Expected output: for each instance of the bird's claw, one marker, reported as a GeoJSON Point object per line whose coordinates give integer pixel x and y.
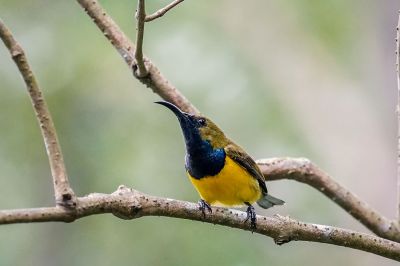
{"type": "Point", "coordinates": [251, 215]}
{"type": "Point", "coordinates": [203, 205]}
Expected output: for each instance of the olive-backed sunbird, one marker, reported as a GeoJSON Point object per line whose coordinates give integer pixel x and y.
{"type": "Point", "coordinates": [221, 171]}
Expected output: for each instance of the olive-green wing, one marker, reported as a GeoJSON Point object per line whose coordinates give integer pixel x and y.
{"type": "Point", "coordinates": [237, 154]}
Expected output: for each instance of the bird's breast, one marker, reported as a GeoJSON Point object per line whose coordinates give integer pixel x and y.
{"type": "Point", "coordinates": [231, 186]}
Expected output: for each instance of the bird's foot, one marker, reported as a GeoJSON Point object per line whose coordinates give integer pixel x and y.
{"type": "Point", "coordinates": [203, 205]}
{"type": "Point", "coordinates": [252, 216]}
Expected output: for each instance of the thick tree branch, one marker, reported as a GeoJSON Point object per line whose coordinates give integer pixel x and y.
{"type": "Point", "coordinates": [304, 171]}
{"type": "Point", "coordinates": [161, 12]}
{"type": "Point", "coordinates": [398, 117]}
{"type": "Point", "coordinates": [127, 203]}
{"type": "Point", "coordinates": [63, 193]}
{"type": "Point", "coordinates": [141, 70]}
{"type": "Point", "coordinates": [154, 80]}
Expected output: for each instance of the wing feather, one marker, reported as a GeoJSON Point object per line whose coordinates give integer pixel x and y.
{"type": "Point", "coordinates": [237, 154]}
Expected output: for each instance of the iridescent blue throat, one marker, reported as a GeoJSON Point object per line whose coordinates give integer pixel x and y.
{"type": "Point", "coordinates": [201, 158]}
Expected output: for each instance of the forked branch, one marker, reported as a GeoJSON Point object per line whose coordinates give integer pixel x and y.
{"type": "Point", "coordinates": [161, 12]}
{"type": "Point", "coordinates": [154, 80]}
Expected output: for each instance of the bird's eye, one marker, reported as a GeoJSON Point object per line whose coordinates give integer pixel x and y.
{"type": "Point", "coordinates": [202, 121]}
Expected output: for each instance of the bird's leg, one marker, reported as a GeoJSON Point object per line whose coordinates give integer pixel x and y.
{"type": "Point", "coordinates": [251, 214]}
{"type": "Point", "coordinates": [203, 205]}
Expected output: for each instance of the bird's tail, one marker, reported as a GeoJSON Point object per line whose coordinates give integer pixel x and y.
{"type": "Point", "coordinates": [267, 201]}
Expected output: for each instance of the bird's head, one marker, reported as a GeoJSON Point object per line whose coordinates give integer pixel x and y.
{"type": "Point", "coordinates": [197, 126]}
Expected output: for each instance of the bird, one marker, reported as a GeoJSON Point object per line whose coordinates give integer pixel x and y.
{"type": "Point", "coordinates": [220, 170]}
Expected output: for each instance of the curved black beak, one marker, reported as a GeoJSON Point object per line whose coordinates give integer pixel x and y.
{"type": "Point", "coordinates": [181, 115]}
{"type": "Point", "coordinates": [188, 127]}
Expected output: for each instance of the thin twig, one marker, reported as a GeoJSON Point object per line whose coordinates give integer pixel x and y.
{"type": "Point", "coordinates": [398, 116]}
{"type": "Point", "coordinates": [302, 170]}
{"type": "Point", "coordinates": [127, 203]}
{"type": "Point", "coordinates": [63, 193]}
{"type": "Point", "coordinates": [155, 80]}
{"type": "Point", "coordinates": [161, 12]}
{"type": "Point", "coordinates": [141, 71]}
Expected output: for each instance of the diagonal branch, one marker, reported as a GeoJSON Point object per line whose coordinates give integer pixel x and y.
{"type": "Point", "coordinates": [161, 12]}
{"type": "Point", "coordinates": [398, 117]}
{"type": "Point", "coordinates": [154, 80]}
{"type": "Point", "coordinates": [127, 203]}
{"type": "Point", "coordinates": [302, 170]}
{"type": "Point", "coordinates": [141, 70]}
{"type": "Point", "coordinates": [63, 193]}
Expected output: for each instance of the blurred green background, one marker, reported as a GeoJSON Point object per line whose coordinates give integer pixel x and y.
{"type": "Point", "coordinates": [282, 78]}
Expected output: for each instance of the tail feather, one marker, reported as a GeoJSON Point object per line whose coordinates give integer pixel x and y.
{"type": "Point", "coordinates": [267, 201]}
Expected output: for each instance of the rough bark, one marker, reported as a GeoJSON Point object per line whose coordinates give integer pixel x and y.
{"type": "Point", "coordinates": [128, 203]}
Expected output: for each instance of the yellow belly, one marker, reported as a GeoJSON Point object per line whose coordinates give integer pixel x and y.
{"type": "Point", "coordinates": [232, 186]}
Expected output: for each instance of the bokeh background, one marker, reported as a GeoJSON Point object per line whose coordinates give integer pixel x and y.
{"type": "Point", "coordinates": [283, 78]}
